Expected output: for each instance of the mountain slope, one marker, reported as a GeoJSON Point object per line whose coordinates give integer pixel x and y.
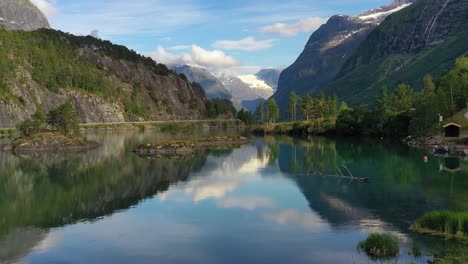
{"type": "Point", "coordinates": [106, 83]}
{"type": "Point", "coordinates": [328, 49]}
{"type": "Point", "coordinates": [270, 76]}
{"type": "Point", "coordinates": [243, 93]}
{"type": "Point", "coordinates": [21, 15]}
{"type": "Point", "coordinates": [212, 86]}
{"type": "Point", "coordinates": [424, 38]}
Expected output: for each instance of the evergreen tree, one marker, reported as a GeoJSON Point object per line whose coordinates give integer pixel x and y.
{"type": "Point", "coordinates": [64, 119]}
{"type": "Point", "coordinates": [307, 106]}
{"type": "Point", "coordinates": [402, 99]}
{"type": "Point", "coordinates": [273, 111]}
{"type": "Point", "coordinates": [32, 125]}
{"type": "Point", "coordinates": [246, 116]}
{"type": "Point", "coordinates": [428, 100]}
{"type": "Point", "coordinates": [260, 113]}
{"type": "Point", "coordinates": [293, 105]}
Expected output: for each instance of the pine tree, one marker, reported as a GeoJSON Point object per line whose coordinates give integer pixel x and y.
{"type": "Point", "coordinates": [260, 113]}
{"type": "Point", "coordinates": [293, 105]}
{"type": "Point", "coordinates": [273, 111]}
{"type": "Point", "coordinates": [307, 106]}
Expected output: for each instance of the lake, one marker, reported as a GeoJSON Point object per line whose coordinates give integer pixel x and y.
{"type": "Point", "coordinates": [254, 204]}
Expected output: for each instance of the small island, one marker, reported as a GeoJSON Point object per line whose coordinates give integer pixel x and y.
{"type": "Point", "coordinates": [56, 131]}
{"type": "Point", "coordinates": [188, 147]}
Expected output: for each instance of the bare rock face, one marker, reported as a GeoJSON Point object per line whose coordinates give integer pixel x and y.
{"type": "Point", "coordinates": [212, 86]}
{"type": "Point", "coordinates": [21, 15]}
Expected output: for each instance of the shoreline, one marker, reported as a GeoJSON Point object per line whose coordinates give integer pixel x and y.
{"type": "Point", "coordinates": [156, 125]}
{"type": "Point", "coordinates": [456, 145]}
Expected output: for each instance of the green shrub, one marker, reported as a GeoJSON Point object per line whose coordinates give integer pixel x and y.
{"type": "Point", "coordinates": [32, 125]}
{"type": "Point", "coordinates": [64, 119]}
{"type": "Point", "coordinates": [444, 223]}
{"type": "Point", "coordinates": [380, 246]}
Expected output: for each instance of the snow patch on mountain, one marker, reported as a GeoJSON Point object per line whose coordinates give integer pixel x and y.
{"type": "Point", "coordinates": [379, 15]}
{"type": "Point", "coordinates": [254, 82]}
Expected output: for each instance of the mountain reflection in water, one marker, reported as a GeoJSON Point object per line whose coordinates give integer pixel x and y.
{"type": "Point", "coordinates": [110, 205]}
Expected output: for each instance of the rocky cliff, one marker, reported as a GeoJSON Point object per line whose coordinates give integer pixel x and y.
{"type": "Point", "coordinates": [270, 76]}
{"type": "Point", "coordinates": [212, 86]}
{"type": "Point", "coordinates": [106, 82]}
{"type": "Point", "coordinates": [21, 15]}
{"type": "Point", "coordinates": [328, 49]}
{"type": "Point", "coordinates": [425, 38]}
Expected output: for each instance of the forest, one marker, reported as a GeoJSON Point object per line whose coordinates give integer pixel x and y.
{"type": "Point", "coordinates": [398, 114]}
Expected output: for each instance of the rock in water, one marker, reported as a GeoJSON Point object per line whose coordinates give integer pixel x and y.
{"type": "Point", "coordinates": [21, 15]}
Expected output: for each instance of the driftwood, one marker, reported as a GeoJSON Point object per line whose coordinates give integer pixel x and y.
{"type": "Point", "coordinates": [339, 175]}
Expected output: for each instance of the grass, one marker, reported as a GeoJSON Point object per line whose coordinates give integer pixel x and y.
{"type": "Point", "coordinates": [380, 246]}
{"type": "Point", "coordinates": [291, 128]}
{"type": "Point", "coordinates": [166, 126]}
{"type": "Point", "coordinates": [444, 223]}
{"type": "Point", "coordinates": [459, 118]}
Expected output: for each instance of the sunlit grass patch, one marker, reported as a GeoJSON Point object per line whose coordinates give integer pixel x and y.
{"type": "Point", "coordinates": [444, 223]}
{"type": "Point", "coordinates": [380, 246]}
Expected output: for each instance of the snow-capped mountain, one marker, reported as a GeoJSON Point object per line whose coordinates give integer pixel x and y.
{"type": "Point", "coordinates": [270, 76]}
{"type": "Point", "coordinates": [212, 86]}
{"type": "Point", "coordinates": [329, 48]}
{"type": "Point", "coordinates": [376, 16]}
{"type": "Point", "coordinates": [247, 90]}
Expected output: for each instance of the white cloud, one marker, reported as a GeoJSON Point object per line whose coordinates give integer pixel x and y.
{"type": "Point", "coordinates": [94, 33]}
{"type": "Point", "coordinates": [48, 7]}
{"type": "Point", "coordinates": [179, 47]}
{"type": "Point", "coordinates": [288, 30]}
{"type": "Point", "coordinates": [246, 203]}
{"type": "Point", "coordinates": [237, 70]}
{"type": "Point", "coordinates": [246, 44]}
{"type": "Point", "coordinates": [292, 216]}
{"type": "Point", "coordinates": [209, 59]}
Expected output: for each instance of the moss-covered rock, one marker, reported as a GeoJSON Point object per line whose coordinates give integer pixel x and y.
{"type": "Point", "coordinates": [189, 146]}
{"type": "Point", "coordinates": [49, 141]}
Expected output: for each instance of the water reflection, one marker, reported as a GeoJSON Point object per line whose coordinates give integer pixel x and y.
{"type": "Point", "coordinates": [112, 206]}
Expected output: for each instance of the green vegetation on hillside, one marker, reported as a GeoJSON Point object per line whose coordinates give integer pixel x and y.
{"type": "Point", "coordinates": [399, 50]}
{"type": "Point", "coordinates": [53, 59]}
{"type": "Point", "coordinates": [396, 115]}
{"type": "Point", "coordinates": [62, 119]}
{"type": "Point", "coordinates": [407, 112]}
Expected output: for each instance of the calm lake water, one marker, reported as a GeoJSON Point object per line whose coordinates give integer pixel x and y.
{"type": "Point", "coordinates": [248, 205]}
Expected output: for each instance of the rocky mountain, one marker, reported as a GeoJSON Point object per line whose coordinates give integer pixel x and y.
{"type": "Point", "coordinates": [425, 38]}
{"type": "Point", "coordinates": [106, 82]}
{"type": "Point", "coordinates": [21, 15]}
{"type": "Point", "coordinates": [270, 76]}
{"type": "Point", "coordinates": [244, 92]}
{"type": "Point", "coordinates": [212, 86]}
{"type": "Point", "coordinates": [328, 49]}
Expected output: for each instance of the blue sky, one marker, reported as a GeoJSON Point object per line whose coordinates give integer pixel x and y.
{"type": "Point", "coordinates": [236, 37]}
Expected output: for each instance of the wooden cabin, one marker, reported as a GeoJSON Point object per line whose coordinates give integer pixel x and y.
{"type": "Point", "coordinates": [452, 130]}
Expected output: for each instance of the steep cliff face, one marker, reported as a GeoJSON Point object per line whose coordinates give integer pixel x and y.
{"type": "Point", "coordinates": [328, 49]}
{"type": "Point", "coordinates": [424, 38]}
{"type": "Point", "coordinates": [212, 86]}
{"type": "Point", "coordinates": [106, 82]}
{"type": "Point", "coordinates": [270, 76]}
{"type": "Point", "coordinates": [21, 15]}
